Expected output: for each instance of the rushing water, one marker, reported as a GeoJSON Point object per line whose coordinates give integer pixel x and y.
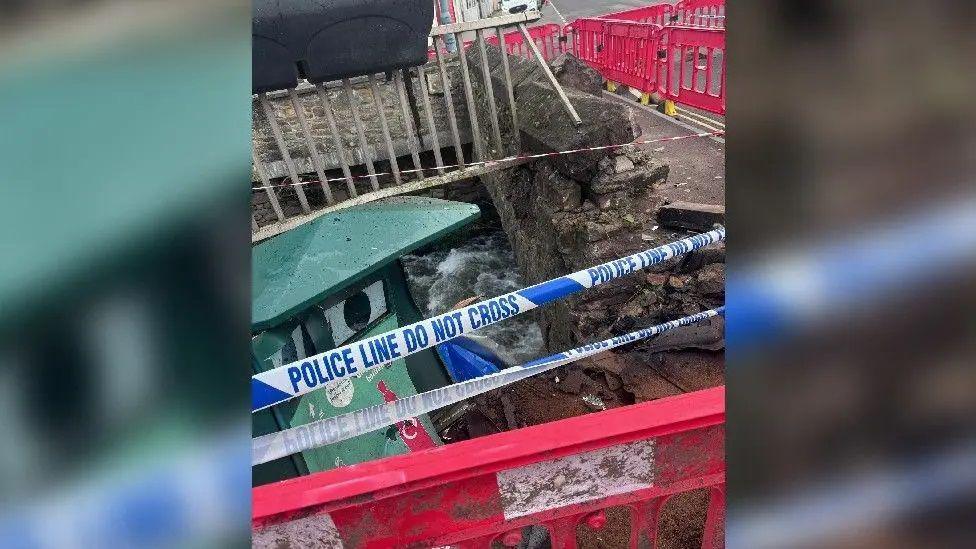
{"type": "Point", "coordinates": [483, 265]}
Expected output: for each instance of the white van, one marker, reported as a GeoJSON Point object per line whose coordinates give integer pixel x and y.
{"type": "Point", "coordinates": [518, 6]}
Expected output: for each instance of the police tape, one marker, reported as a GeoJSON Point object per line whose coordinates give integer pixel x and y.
{"type": "Point", "coordinates": [343, 427]}
{"type": "Point", "coordinates": [352, 360]}
{"type": "Point", "coordinates": [514, 158]}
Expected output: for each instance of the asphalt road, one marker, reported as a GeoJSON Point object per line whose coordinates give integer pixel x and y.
{"type": "Point", "coordinates": [573, 9]}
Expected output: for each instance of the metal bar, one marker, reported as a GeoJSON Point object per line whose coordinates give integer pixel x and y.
{"type": "Point", "coordinates": [428, 111]}
{"type": "Point", "coordinates": [310, 143]}
{"type": "Point", "coordinates": [490, 90]}
{"type": "Point", "coordinates": [487, 23]}
{"type": "Point", "coordinates": [552, 78]}
{"type": "Point", "coordinates": [562, 532]}
{"type": "Point", "coordinates": [450, 177]}
{"type": "Point", "coordinates": [509, 88]}
{"type": "Point", "coordinates": [272, 197]}
{"type": "Point", "coordinates": [363, 144]}
{"type": "Point", "coordinates": [408, 124]}
{"type": "Point", "coordinates": [385, 128]}
{"type": "Point", "coordinates": [283, 148]}
{"type": "Point", "coordinates": [713, 534]}
{"type": "Point", "coordinates": [683, 51]}
{"type": "Point", "coordinates": [709, 67]}
{"type": "Point", "coordinates": [449, 100]}
{"type": "Point", "coordinates": [336, 139]}
{"type": "Point", "coordinates": [643, 522]}
{"type": "Point", "coordinates": [479, 152]}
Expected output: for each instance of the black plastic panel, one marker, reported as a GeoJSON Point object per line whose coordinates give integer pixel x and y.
{"type": "Point", "coordinates": [331, 39]}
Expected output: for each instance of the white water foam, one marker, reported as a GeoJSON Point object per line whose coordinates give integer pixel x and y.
{"type": "Point", "coordinates": [484, 266]}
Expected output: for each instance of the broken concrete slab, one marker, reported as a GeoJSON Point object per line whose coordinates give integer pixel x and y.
{"type": "Point", "coordinates": [574, 73]}
{"type": "Point", "coordinates": [691, 216]}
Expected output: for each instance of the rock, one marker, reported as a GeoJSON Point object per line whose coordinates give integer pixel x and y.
{"type": "Point", "coordinates": [572, 72]}
{"type": "Point", "coordinates": [637, 181]}
{"type": "Point", "coordinates": [691, 216]}
{"type": "Point", "coordinates": [594, 402]}
{"type": "Point", "coordinates": [623, 164]}
{"type": "Point", "coordinates": [547, 127]}
{"type": "Point", "coordinates": [612, 201]}
{"type": "Point", "coordinates": [711, 280]}
{"type": "Point", "coordinates": [613, 381]}
{"type": "Point", "coordinates": [558, 192]}
{"type": "Point", "coordinates": [678, 282]}
{"type": "Point", "coordinates": [709, 336]}
{"type": "Point", "coordinates": [700, 258]}
{"type": "Point", "coordinates": [658, 279]}
{"type": "Point", "coordinates": [574, 382]}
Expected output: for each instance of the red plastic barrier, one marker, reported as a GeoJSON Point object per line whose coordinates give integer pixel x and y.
{"type": "Point", "coordinates": [560, 475]}
{"type": "Point", "coordinates": [696, 68]}
{"type": "Point", "coordinates": [589, 41]}
{"type": "Point", "coordinates": [548, 38]}
{"type": "Point", "coordinates": [683, 63]}
{"type": "Point", "coordinates": [659, 14]}
{"type": "Point", "coordinates": [699, 13]}
{"type": "Point", "coordinates": [623, 52]}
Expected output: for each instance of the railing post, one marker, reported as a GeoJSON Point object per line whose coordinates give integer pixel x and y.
{"type": "Point", "coordinates": [283, 149]}
{"type": "Point", "coordinates": [360, 130]}
{"type": "Point", "coordinates": [336, 139]}
{"type": "Point", "coordinates": [449, 102]}
{"type": "Point", "coordinates": [296, 104]}
{"type": "Point", "coordinates": [431, 126]}
{"type": "Point", "coordinates": [552, 78]}
{"type": "Point", "coordinates": [385, 128]}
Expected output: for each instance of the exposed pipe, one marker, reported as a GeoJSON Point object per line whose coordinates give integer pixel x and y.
{"type": "Point", "coordinates": [444, 18]}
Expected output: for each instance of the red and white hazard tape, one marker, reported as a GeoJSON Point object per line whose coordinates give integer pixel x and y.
{"type": "Point", "coordinates": [502, 160]}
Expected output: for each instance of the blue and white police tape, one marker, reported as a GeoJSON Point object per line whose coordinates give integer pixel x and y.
{"type": "Point", "coordinates": [316, 372]}
{"type": "Point", "coordinates": [343, 427]}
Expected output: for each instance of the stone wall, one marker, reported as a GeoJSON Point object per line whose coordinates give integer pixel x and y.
{"type": "Point", "coordinates": [569, 212]}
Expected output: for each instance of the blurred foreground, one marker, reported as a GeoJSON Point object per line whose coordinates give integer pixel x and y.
{"type": "Point", "coordinates": [123, 286]}
{"type": "Point", "coordinates": [852, 204]}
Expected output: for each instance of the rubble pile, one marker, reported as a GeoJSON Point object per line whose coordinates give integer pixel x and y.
{"type": "Point", "coordinates": [565, 213]}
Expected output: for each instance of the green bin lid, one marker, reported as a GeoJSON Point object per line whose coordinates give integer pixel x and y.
{"type": "Point", "coordinates": [301, 267]}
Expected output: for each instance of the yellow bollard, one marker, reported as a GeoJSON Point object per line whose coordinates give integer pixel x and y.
{"type": "Point", "coordinates": [669, 108]}
{"type": "Point", "coordinates": [645, 99]}
{"type": "Point", "coordinates": [611, 86]}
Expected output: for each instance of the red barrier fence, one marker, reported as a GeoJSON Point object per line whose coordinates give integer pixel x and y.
{"type": "Point", "coordinates": [659, 14]}
{"type": "Point", "coordinates": [696, 68]}
{"type": "Point", "coordinates": [699, 13]}
{"type": "Point", "coordinates": [676, 52]}
{"type": "Point", "coordinates": [682, 60]}
{"type": "Point", "coordinates": [562, 477]}
{"type": "Point", "coordinates": [548, 38]}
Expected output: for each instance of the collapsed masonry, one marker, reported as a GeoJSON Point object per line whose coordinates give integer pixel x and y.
{"type": "Point", "coordinates": [566, 213]}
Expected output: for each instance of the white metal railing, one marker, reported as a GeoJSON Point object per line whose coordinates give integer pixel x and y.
{"type": "Point", "coordinates": [308, 165]}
